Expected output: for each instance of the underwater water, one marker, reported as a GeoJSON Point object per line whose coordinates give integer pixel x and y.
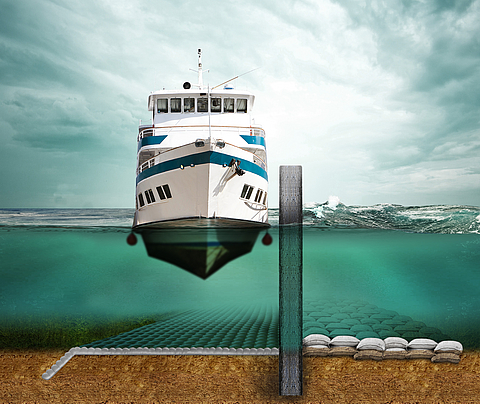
{"type": "Point", "coordinates": [422, 262]}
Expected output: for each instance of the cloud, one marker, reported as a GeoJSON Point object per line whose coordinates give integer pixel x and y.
{"type": "Point", "coordinates": [378, 102]}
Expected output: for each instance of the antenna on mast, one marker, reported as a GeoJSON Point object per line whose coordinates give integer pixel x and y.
{"type": "Point", "coordinates": [236, 77]}
{"type": "Point", "coordinates": [200, 73]}
{"type": "Point", "coordinates": [200, 70]}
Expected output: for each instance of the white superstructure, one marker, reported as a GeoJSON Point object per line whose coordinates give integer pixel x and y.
{"type": "Point", "coordinates": [202, 158]}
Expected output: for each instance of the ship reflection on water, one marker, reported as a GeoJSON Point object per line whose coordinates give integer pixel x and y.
{"type": "Point", "coordinates": [199, 250]}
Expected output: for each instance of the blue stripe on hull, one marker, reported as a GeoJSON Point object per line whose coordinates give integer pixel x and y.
{"type": "Point", "coordinates": [254, 139]}
{"type": "Point", "coordinates": [201, 158]}
{"type": "Point", "coordinates": [150, 140]}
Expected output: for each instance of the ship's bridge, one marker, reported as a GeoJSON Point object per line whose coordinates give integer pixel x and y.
{"type": "Point", "coordinates": [193, 107]}
{"type": "Point", "coordinates": [193, 115]}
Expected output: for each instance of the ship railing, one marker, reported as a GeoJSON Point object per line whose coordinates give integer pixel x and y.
{"type": "Point", "coordinates": [259, 162]}
{"type": "Point", "coordinates": [255, 205]}
{"type": "Point", "coordinates": [149, 163]}
{"type": "Point", "coordinates": [145, 132]}
{"type": "Point", "coordinates": [215, 130]}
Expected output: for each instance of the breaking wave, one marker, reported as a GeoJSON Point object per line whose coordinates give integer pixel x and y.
{"type": "Point", "coordinates": [447, 219]}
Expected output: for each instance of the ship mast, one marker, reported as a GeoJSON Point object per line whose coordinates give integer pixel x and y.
{"type": "Point", "coordinates": [200, 72]}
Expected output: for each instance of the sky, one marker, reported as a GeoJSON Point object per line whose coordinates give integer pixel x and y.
{"type": "Point", "coordinates": [379, 101]}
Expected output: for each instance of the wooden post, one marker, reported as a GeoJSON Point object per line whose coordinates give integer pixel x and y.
{"type": "Point", "coordinates": [290, 285]}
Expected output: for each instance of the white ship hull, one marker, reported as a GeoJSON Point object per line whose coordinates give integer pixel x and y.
{"type": "Point", "coordinates": [203, 186]}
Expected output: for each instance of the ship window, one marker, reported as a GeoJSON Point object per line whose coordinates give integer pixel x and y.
{"type": "Point", "coordinates": [176, 105]}
{"type": "Point", "coordinates": [164, 192]}
{"type": "Point", "coordinates": [140, 200]}
{"type": "Point", "coordinates": [162, 105]}
{"type": "Point", "coordinates": [152, 198]}
{"type": "Point", "coordinates": [166, 188]}
{"type": "Point", "coordinates": [265, 199]}
{"type": "Point", "coordinates": [216, 104]}
{"type": "Point", "coordinates": [202, 105]}
{"type": "Point", "coordinates": [228, 104]}
{"type": "Point", "coordinates": [242, 105]}
{"type": "Point", "coordinates": [258, 196]}
{"type": "Point", "coordinates": [148, 197]}
{"type": "Point", "coordinates": [161, 194]}
{"type": "Point", "coordinates": [246, 192]}
{"type": "Point", "coordinates": [189, 105]}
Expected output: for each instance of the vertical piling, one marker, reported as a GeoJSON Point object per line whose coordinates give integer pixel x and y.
{"type": "Point", "coordinates": [290, 285]}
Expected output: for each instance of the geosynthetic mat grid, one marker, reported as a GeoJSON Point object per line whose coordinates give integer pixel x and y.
{"type": "Point", "coordinates": [257, 326]}
{"type": "Point", "coordinates": [232, 327]}
{"type": "Point", "coordinates": [253, 330]}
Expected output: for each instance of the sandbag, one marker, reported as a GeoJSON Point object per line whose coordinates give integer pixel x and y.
{"type": "Point", "coordinates": [316, 339]}
{"type": "Point", "coordinates": [376, 344]}
{"type": "Point", "coordinates": [369, 354]}
{"type": "Point", "coordinates": [420, 354]}
{"type": "Point", "coordinates": [449, 347]}
{"type": "Point", "coordinates": [342, 351]}
{"type": "Point", "coordinates": [395, 353]}
{"type": "Point", "coordinates": [446, 357]}
{"type": "Point", "coordinates": [395, 342]}
{"type": "Point", "coordinates": [316, 350]}
{"type": "Point", "coordinates": [422, 343]}
{"type": "Point", "coordinates": [344, 341]}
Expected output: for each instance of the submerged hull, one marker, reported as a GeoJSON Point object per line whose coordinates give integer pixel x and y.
{"type": "Point", "coordinates": [201, 251]}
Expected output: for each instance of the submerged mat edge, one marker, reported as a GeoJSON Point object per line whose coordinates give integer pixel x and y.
{"type": "Point", "coordinates": [154, 351]}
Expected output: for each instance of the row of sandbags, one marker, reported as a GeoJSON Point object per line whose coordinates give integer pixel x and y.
{"type": "Point", "coordinates": [379, 349]}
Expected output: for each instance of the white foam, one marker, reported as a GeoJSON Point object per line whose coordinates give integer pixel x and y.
{"type": "Point", "coordinates": [319, 212]}
{"type": "Point", "coordinates": [333, 202]}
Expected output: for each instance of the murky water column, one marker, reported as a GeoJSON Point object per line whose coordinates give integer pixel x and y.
{"type": "Point", "coordinates": [290, 283]}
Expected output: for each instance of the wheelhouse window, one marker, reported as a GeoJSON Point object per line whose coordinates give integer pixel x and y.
{"type": "Point", "coordinates": [189, 105]}
{"type": "Point", "coordinates": [228, 104]}
{"type": "Point", "coordinates": [202, 104]}
{"type": "Point", "coordinates": [176, 105]}
{"type": "Point", "coordinates": [216, 105]}
{"type": "Point", "coordinates": [241, 105]}
{"type": "Point", "coordinates": [162, 105]}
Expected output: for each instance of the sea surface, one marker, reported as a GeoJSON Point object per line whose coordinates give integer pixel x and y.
{"type": "Point", "coordinates": [420, 261]}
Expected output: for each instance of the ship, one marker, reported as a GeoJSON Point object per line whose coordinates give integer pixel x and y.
{"type": "Point", "coordinates": [202, 160]}
{"type": "Point", "coordinates": [201, 164]}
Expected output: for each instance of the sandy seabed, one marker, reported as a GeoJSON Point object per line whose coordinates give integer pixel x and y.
{"type": "Point", "coordinates": [232, 379]}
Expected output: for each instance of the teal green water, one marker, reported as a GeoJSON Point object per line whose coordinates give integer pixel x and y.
{"type": "Point", "coordinates": [82, 272]}
{"type": "Point", "coordinates": [434, 278]}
